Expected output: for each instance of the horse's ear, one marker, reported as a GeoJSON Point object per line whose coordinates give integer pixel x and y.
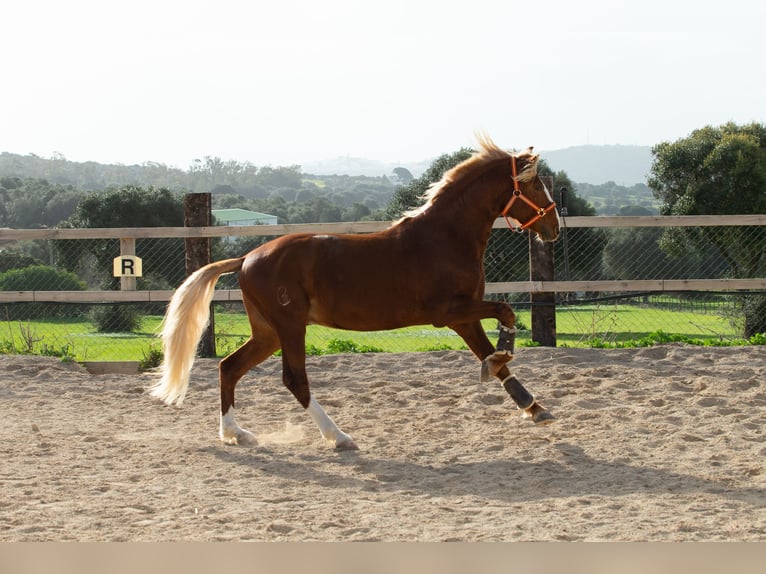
{"type": "Point", "coordinates": [528, 154]}
{"type": "Point", "coordinates": [533, 157]}
{"type": "Point", "coordinates": [529, 171]}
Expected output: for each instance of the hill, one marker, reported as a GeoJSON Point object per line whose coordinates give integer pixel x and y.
{"type": "Point", "coordinates": [596, 164]}
{"type": "Point", "coordinates": [39, 191]}
{"type": "Point", "coordinates": [593, 164]}
{"type": "Point", "coordinates": [357, 166]}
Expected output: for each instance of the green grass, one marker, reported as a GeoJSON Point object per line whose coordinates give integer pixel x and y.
{"type": "Point", "coordinates": [74, 339]}
{"type": "Point", "coordinates": [621, 323]}
{"type": "Point", "coordinates": [581, 326]}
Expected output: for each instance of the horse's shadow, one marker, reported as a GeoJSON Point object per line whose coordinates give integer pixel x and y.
{"type": "Point", "coordinates": [574, 473]}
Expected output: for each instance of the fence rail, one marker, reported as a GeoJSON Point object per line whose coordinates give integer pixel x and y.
{"type": "Point", "coordinates": [7, 234]}
{"type": "Point", "coordinates": [227, 295]}
{"type": "Point", "coordinates": [659, 285]}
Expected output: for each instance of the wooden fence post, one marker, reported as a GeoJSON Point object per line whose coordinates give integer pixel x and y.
{"type": "Point", "coordinates": [127, 247]}
{"type": "Point", "coordinates": [541, 268]}
{"type": "Point", "coordinates": [198, 213]}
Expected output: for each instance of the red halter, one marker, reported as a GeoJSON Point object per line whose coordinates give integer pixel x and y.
{"type": "Point", "coordinates": [540, 212]}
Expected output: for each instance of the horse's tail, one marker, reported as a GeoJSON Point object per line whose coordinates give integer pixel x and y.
{"type": "Point", "coordinates": [186, 318]}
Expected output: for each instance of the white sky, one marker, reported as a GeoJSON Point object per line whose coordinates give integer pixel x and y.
{"type": "Point", "coordinates": [291, 81]}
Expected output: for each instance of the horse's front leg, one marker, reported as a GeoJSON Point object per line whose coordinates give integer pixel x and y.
{"type": "Point", "coordinates": [465, 318]}
{"type": "Point", "coordinates": [503, 353]}
{"type": "Point", "coordinates": [494, 363]}
{"type": "Point", "coordinates": [526, 401]}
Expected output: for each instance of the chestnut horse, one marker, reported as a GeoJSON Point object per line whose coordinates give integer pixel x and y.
{"type": "Point", "coordinates": [426, 268]}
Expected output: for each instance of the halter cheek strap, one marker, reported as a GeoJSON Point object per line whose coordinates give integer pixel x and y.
{"type": "Point", "coordinates": [540, 212]}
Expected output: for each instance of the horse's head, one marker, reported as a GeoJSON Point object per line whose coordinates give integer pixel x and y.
{"type": "Point", "coordinates": [511, 188]}
{"type": "Point", "coordinates": [530, 202]}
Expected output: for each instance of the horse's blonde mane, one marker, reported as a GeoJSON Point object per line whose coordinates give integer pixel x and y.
{"type": "Point", "coordinates": [488, 153]}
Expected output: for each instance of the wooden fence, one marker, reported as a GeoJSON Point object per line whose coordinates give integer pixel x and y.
{"type": "Point", "coordinates": [127, 237]}
{"type": "Point", "coordinates": [542, 285]}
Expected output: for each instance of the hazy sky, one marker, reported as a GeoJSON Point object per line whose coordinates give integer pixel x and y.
{"type": "Point", "coordinates": [291, 81]}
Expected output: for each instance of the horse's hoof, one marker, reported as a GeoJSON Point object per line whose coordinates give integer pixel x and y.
{"type": "Point", "coordinates": [539, 415]}
{"type": "Point", "coordinates": [241, 438]}
{"type": "Point", "coordinates": [542, 418]}
{"type": "Point", "coordinates": [346, 444]}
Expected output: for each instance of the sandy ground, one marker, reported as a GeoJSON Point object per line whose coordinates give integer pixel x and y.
{"type": "Point", "coordinates": [658, 444]}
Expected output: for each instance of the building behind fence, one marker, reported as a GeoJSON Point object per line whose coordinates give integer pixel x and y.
{"type": "Point", "coordinates": [612, 283]}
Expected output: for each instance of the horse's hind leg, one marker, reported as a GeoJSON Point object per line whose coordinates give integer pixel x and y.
{"type": "Point", "coordinates": [295, 379]}
{"type": "Point", "coordinates": [231, 370]}
{"type": "Point", "coordinates": [330, 431]}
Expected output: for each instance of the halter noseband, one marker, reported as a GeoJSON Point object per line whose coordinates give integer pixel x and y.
{"type": "Point", "coordinates": [540, 212]}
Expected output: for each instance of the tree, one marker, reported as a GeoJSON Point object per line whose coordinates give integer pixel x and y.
{"type": "Point", "coordinates": [716, 171]}
{"type": "Point", "coordinates": [285, 176]}
{"type": "Point", "coordinates": [356, 212]}
{"type": "Point", "coordinates": [60, 207]}
{"type": "Point", "coordinates": [31, 203]}
{"type": "Point", "coordinates": [403, 175]}
{"type": "Point", "coordinates": [635, 253]}
{"type": "Point", "coordinates": [130, 206]}
{"type": "Point", "coordinates": [575, 204]}
{"type": "Point", "coordinates": [578, 256]}
{"type": "Point", "coordinates": [14, 260]}
{"type": "Point", "coordinates": [411, 196]}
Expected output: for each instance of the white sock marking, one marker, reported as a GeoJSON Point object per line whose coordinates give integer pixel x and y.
{"type": "Point", "coordinates": [327, 427]}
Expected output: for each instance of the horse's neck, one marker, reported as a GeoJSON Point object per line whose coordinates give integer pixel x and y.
{"type": "Point", "coordinates": [454, 222]}
{"type": "Point", "coordinates": [473, 212]}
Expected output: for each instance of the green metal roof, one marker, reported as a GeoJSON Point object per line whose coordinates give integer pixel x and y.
{"type": "Point", "coordinates": [236, 214]}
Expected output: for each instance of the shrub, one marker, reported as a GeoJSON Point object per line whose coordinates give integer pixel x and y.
{"type": "Point", "coordinates": [115, 318]}
{"type": "Point", "coordinates": [337, 346]}
{"type": "Point", "coordinates": [40, 278]}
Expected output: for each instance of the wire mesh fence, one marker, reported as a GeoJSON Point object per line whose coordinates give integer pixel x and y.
{"type": "Point", "coordinates": [46, 285]}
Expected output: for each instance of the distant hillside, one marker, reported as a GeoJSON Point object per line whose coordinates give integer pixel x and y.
{"type": "Point", "coordinates": [596, 164]}
{"type": "Point", "coordinates": [357, 166]}
{"type": "Point", "coordinates": [36, 191]}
